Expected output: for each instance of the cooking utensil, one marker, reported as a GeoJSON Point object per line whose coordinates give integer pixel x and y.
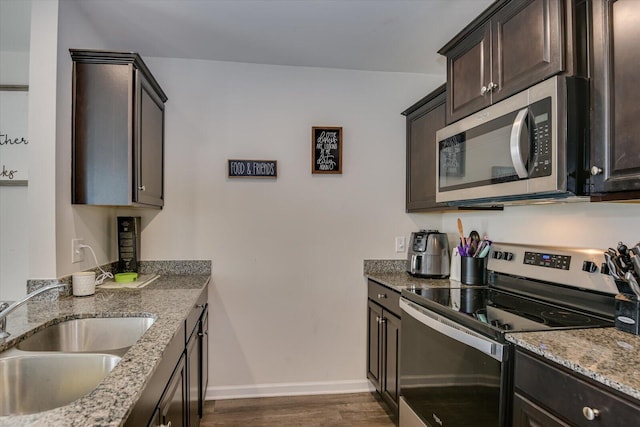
{"type": "Point", "coordinates": [633, 283]}
{"type": "Point", "coordinates": [474, 236]}
{"type": "Point", "coordinates": [613, 268]}
{"type": "Point", "coordinates": [461, 231]}
{"type": "Point", "coordinates": [624, 253]}
{"type": "Point", "coordinates": [635, 262]}
{"type": "Point", "coordinates": [483, 253]}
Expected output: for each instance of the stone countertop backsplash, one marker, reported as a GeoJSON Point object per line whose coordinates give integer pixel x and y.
{"type": "Point", "coordinates": [605, 355]}
{"type": "Point", "coordinates": [169, 299]}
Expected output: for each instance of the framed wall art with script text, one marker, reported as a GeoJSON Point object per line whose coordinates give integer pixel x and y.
{"type": "Point", "coordinates": [326, 149]}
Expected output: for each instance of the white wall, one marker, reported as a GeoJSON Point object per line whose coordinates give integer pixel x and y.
{"type": "Point", "coordinates": [42, 139]}
{"type": "Point", "coordinates": [590, 225]}
{"type": "Point", "coordinates": [14, 70]}
{"type": "Point", "coordinates": [288, 301]}
{"type": "Point", "coordinates": [93, 224]}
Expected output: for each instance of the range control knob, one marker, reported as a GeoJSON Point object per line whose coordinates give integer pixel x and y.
{"type": "Point", "coordinates": [497, 254]}
{"type": "Point", "coordinates": [508, 256]}
{"type": "Point", "coordinates": [589, 267]}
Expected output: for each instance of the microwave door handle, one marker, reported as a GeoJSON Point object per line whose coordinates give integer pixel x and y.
{"type": "Point", "coordinates": [514, 143]}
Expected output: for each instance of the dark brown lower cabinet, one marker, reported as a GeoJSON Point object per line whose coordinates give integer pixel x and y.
{"type": "Point", "coordinates": [547, 394]}
{"type": "Point", "coordinates": [175, 393]}
{"type": "Point", "coordinates": [383, 332]}
{"type": "Point", "coordinates": [193, 382]}
{"type": "Point", "coordinates": [390, 349]}
{"type": "Point", "coordinates": [172, 410]}
{"type": "Point", "coordinates": [204, 361]}
{"type": "Point", "coordinates": [374, 341]}
{"type": "Point", "coordinates": [528, 414]}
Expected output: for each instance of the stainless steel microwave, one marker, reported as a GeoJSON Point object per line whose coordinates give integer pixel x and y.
{"type": "Point", "coordinates": [531, 146]}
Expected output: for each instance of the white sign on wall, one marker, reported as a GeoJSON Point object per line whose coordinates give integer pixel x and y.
{"type": "Point", "coordinates": [14, 144]}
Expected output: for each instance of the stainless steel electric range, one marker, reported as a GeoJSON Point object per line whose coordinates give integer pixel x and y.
{"type": "Point", "coordinates": [456, 365]}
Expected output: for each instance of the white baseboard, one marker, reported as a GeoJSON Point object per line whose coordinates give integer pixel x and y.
{"type": "Point", "coordinates": [288, 389]}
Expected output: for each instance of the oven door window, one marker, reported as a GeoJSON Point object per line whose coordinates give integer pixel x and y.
{"type": "Point", "coordinates": [446, 382]}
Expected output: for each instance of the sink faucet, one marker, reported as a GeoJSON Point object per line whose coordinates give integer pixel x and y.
{"type": "Point", "coordinates": [6, 309]}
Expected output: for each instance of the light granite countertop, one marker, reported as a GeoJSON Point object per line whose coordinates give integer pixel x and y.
{"type": "Point", "coordinates": [403, 280]}
{"type": "Point", "coordinates": [606, 355]}
{"type": "Point", "coordinates": [168, 299]}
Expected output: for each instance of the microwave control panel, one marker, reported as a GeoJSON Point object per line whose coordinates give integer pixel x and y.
{"type": "Point", "coordinates": [541, 149]}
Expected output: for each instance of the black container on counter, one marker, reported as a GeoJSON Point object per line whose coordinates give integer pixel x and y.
{"type": "Point", "coordinates": [627, 313]}
{"type": "Point", "coordinates": [473, 271]}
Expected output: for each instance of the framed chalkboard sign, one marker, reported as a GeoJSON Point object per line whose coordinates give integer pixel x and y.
{"type": "Point", "coordinates": [326, 148]}
{"type": "Point", "coordinates": [252, 168]}
{"type": "Point", "coordinates": [14, 145]}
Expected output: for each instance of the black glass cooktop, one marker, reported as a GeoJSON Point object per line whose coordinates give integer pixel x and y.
{"type": "Point", "coordinates": [495, 312]}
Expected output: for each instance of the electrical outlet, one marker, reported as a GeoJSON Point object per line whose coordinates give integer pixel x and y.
{"type": "Point", "coordinates": [77, 253]}
{"type": "Point", "coordinates": [401, 244]}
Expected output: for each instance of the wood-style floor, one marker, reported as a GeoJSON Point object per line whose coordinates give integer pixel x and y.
{"type": "Point", "coordinates": [361, 409]}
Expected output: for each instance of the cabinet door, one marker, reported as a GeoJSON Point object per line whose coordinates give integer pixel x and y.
{"type": "Point", "coordinates": [149, 145]}
{"type": "Point", "coordinates": [204, 361]}
{"type": "Point", "coordinates": [528, 414]}
{"type": "Point", "coordinates": [422, 126]}
{"type": "Point", "coordinates": [567, 394]}
{"type": "Point", "coordinates": [193, 370]}
{"type": "Point", "coordinates": [374, 342]}
{"type": "Point", "coordinates": [101, 139]}
{"type": "Point", "coordinates": [616, 128]}
{"type": "Point", "coordinates": [172, 408]}
{"type": "Point", "coordinates": [468, 71]}
{"type": "Point", "coordinates": [391, 348]}
{"type": "Point", "coordinates": [527, 45]}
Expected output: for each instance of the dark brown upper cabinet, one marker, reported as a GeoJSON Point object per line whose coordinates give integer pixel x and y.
{"type": "Point", "coordinates": [424, 119]}
{"type": "Point", "coordinates": [511, 46]}
{"type": "Point", "coordinates": [615, 142]}
{"type": "Point", "coordinates": [118, 131]}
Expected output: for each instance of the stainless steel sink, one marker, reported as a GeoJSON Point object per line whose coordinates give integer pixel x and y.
{"type": "Point", "coordinates": [112, 335]}
{"type": "Point", "coordinates": [36, 382]}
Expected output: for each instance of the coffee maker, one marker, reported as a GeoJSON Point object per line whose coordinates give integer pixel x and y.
{"type": "Point", "coordinates": [428, 254]}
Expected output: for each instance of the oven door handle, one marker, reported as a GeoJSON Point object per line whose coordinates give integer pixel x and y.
{"type": "Point", "coordinates": [452, 330]}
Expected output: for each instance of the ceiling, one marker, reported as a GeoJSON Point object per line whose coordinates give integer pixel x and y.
{"type": "Point", "coordinates": [377, 35]}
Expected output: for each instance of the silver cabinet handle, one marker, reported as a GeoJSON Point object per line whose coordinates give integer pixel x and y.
{"type": "Point", "coordinates": [492, 86]}
{"type": "Point", "coordinates": [382, 296]}
{"type": "Point", "coordinates": [484, 90]}
{"type": "Point", "coordinates": [142, 188]}
{"type": "Point", "coordinates": [595, 170]}
{"type": "Point", "coordinates": [590, 414]}
{"type": "Point", "coordinates": [514, 143]}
